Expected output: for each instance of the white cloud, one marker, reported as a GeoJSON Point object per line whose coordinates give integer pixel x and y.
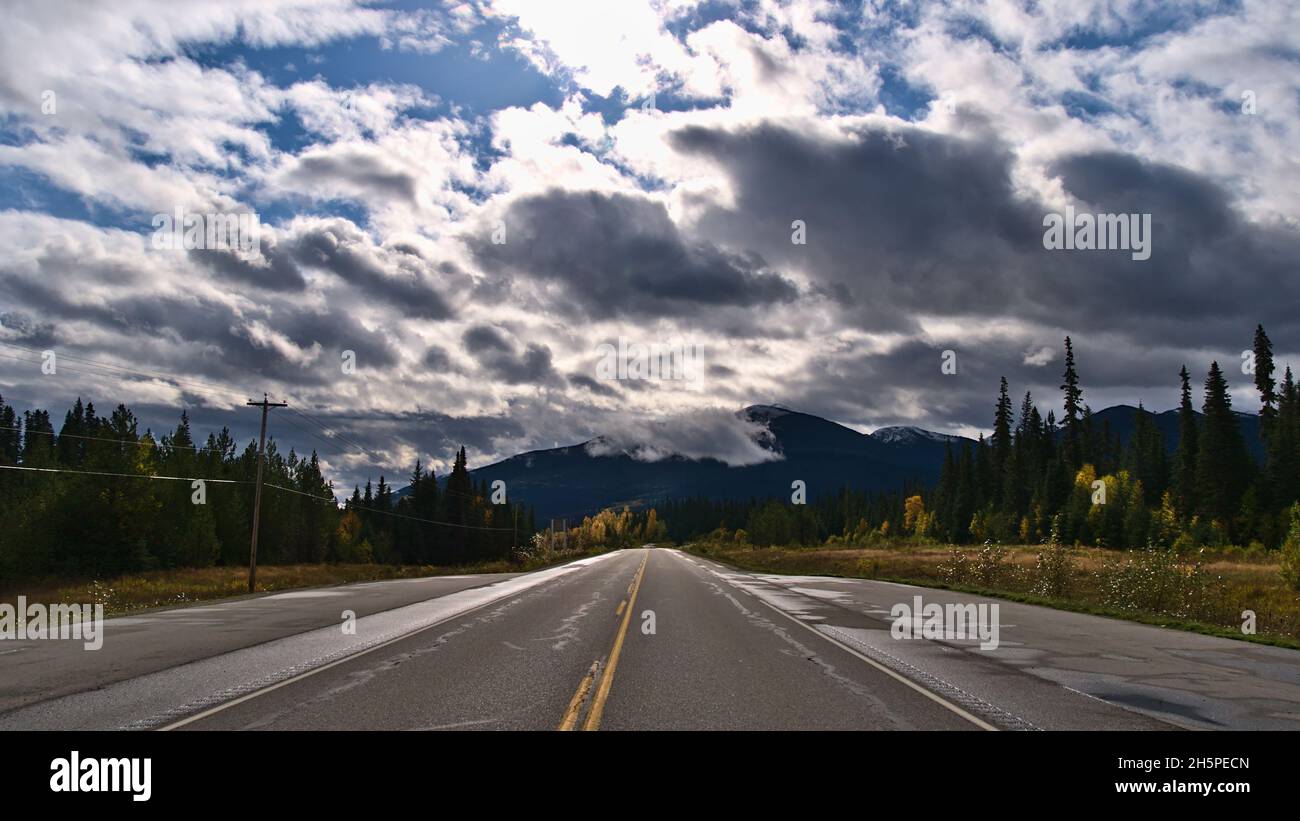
{"type": "Point", "coordinates": [1040, 357]}
{"type": "Point", "coordinates": [704, 434]}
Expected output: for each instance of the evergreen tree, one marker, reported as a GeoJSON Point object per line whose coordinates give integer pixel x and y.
{"type": "Point", "coordinates": [10, 435]}
{"type": "Point", "coordinates": [945, 496]}
{"type": "Point", "coordinates": [38, 439]}
{"type": "Point", "coordinates": [458, 498]}
{"type": "Point", "coordinates": [1071, 421]}
{"type": "Point", "coordinates": [1223, 463]}
{"type": "Point", "coordinates": [1284, 454]}
{"type": "Point", "coordinates": [1264, 382]}
{"type": "Point", "coordinates": [1001, 443]}
{"type": "Point", "coordinates": [1145, 458]}
{"type": "Point", "coordinates": [1184, 476]}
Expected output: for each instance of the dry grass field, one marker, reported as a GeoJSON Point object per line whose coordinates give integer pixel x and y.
{"type": "Point", "coordinates": [1207, 591]}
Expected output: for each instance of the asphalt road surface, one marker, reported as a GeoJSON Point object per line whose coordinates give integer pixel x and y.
{"type": "Point", "coordinates": [637, 639]}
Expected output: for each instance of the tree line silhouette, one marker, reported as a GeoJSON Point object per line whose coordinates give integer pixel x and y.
{"type": "Point", "coordinates": [1036, 470]}
{"type": "Point", "coordinates": [99, 497]}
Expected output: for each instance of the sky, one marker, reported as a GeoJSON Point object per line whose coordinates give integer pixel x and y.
{"type": "Point", "coordinates": [460, 203]}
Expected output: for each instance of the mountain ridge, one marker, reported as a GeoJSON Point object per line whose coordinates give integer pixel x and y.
{"type": "Point", "coordinates": [572, 481]}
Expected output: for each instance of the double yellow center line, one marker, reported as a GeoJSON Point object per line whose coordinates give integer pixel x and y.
{"type": "Point", "coordinates": [597, 709]}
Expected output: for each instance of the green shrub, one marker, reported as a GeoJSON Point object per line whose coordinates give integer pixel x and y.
{"type": "Point", "coordinates": [1156, 581]}
{"type": "Point", "coordinates": [990, 568]}
{"type": "Point", "coordinates": [1290, 569]}
{"type": "Point", "coordinates": [1052, 575]}
{"type": "Point", "coordinates": [956, 568]}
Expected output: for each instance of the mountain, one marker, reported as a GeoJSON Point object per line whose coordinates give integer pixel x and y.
{"type": "Point", "coordinates": [908, 434]}
{"type": "Point", "coordinates": [572, 482]}
{"type": "Point", "coordinates": [1121, 419]}
{"type": "Point", "coordinates": [581, 479]}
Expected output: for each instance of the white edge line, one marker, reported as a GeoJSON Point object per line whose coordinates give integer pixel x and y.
{"type": "Point", "coordinates": [978, 722]}
{"type": "Point", "coordinates": [305, 674]}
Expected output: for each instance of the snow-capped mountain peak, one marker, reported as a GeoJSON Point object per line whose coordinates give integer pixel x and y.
{"type": "Point", "coordinates": [909, 433]}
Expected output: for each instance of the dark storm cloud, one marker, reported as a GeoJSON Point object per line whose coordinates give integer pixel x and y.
{"type": "Point", "coordinates": [502, 358]}
{"type": "Point", "coordinates": [340, 248]}
{"type": "Point", "coordinates": [532, 367]}
{"type": "Point", "coordinates": [432, 434]}
{"type": "Point", "coordinates": [620, 255]}
{"type": "Point", "coordinates": [602, 388]}
{"type": "Point", "coordinates": [914, 221]}
{"type": "Point", "coordinates": [875, 389]}
{"type": "Point", "coordinates": [436, 358]}
{"type": "Point", "coordinates": [485, 338]}
{"type": "Point", "coordinates": [275, 271]}
{"type": "Point", "coordinates": [20, 328]}
{"type": "Point", "coordinates": [229, 345]}
{"type": "Point", "coordinates": [398, 276]}
{"type": "Point", "coordinates": [441, 434]}
{"type": "Point", "coordinates": [337, 331]}
{"type": "Point", "coordinates": [909, 222]}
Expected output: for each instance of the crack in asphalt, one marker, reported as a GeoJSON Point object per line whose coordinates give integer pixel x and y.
{"type": "Point", "coordinates": [798, 648]}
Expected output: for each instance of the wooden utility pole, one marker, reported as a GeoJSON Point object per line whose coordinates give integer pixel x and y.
{"type": "Point", "coordinates": [265, 405]}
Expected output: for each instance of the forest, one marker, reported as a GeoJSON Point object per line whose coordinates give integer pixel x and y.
{"type": "Point", "coordinates": [99, 497]}
{"type": "Point", "coordinates": [1037, 469]}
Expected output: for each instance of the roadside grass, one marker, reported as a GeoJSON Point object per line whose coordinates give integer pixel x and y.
{"type": "Point", "coordinates": [1205, 593]}
{"type": "Point", "coordinates": [182, 586]}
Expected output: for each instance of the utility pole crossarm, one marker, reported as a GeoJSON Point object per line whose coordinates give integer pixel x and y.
{"type": "Point", "coordinates": [265, 405]}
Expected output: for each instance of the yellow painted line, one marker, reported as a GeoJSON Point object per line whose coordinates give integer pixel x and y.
{"type": "Point", "coordinates": [345, 659]}
{"type": "Point", "coordinates": [619, 611]}
{"type": "Point", "coordinates": [575, 704]}
{"type": "Point", "coordinates": [607, 678]}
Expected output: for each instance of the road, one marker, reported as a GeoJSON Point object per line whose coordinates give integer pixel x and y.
{"type": "Point", "coordinates": [652, 639]}
{"type": "Point", "coordinates": [160, 639]}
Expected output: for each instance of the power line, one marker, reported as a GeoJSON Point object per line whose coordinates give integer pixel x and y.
{"type": "Point", "coordinates": [119, 370]}
{"type": "Point", "coordinates": [174, 478]}
{"type": "Point", "coordinates": [373, 455]}
{"type": "Point", "coordinates": [430, 521]}
{"type": "Point", "coordinates": [146, 442]}
{"type": "Point", "coordinates": [127, 475]}
{"type": "Point", "coordinates": [122, 369]}
{"type": "Point", "coordinates": [331, 432]}
{"type": "Point", "coordinates": [248, 482]}
{"type": "Point", "coordinates": [71, 369]}
{"type": "Point", "coordinates": [302, 493]}
{"type": "Point", "coordinates": [211, 388]}
{"type": "Point", "coordinates": [157, 444]}
{"type": "Point", "coordinates": [306, 431]}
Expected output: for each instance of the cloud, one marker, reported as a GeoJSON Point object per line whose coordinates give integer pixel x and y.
{"type": "Point", "coordinates": [602, 388]}
{"type": "Point", "coordinates": [619, 255]}
{"type": "Point", "coordinates": [907, 223]}
{"type": "Point", "coordinates": [1039, 358]}
{"type": "Point", "coordinates": [436, 358]}
{"type": "Point", "coordinates": [503, 359]}
{"type": "Point", "coordinates": [402, 280]}
{"type": "Point", "coordinates": [602, 50]}
{"type": "Point", "coordinates": [379, 178]}
{"type": "Point", "coordinates": [704, 434]}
